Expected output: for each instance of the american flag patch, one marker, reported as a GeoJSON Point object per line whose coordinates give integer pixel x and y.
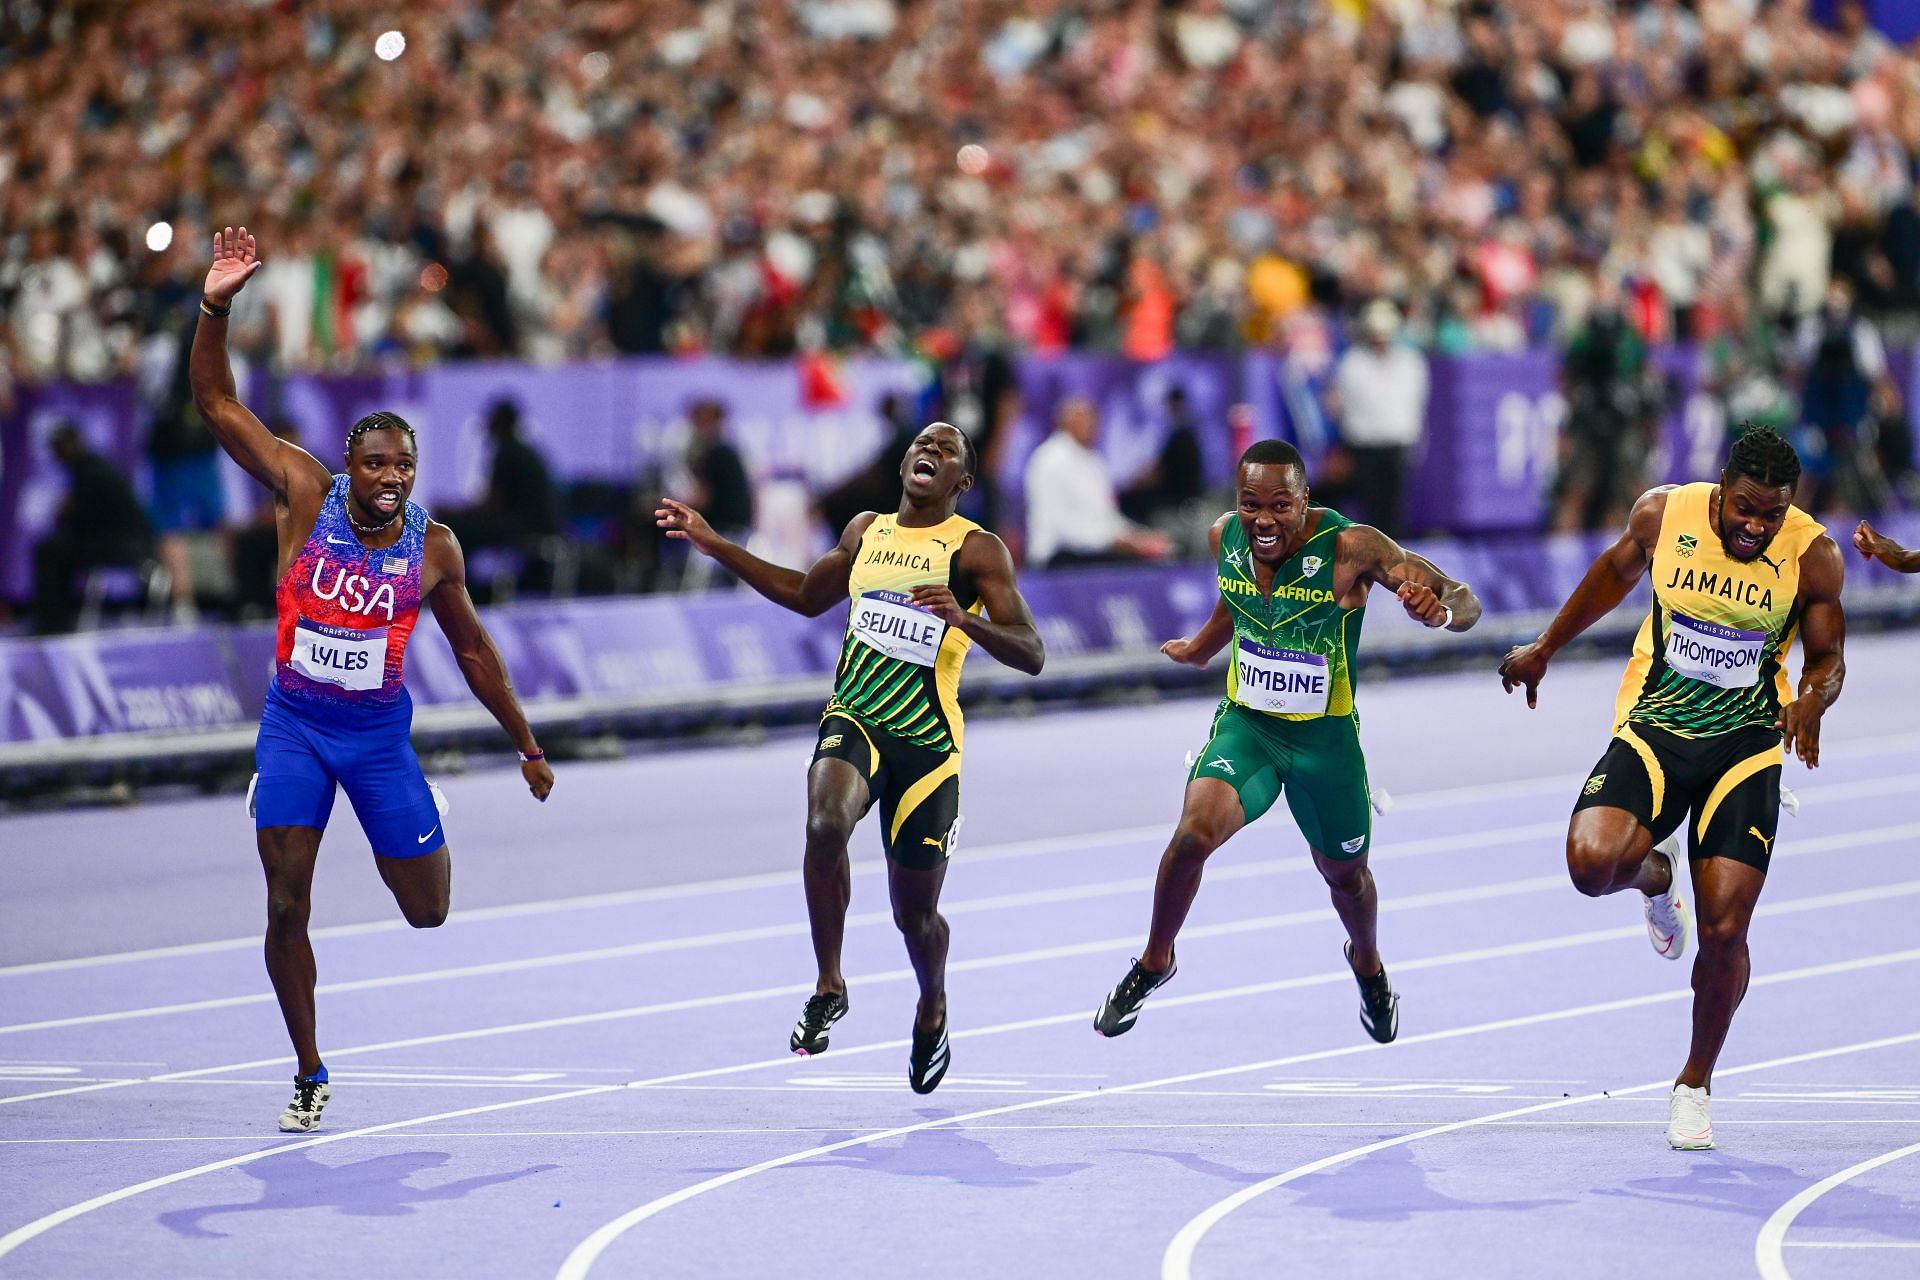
{"type": "Point", "coordinates": [394, 564]}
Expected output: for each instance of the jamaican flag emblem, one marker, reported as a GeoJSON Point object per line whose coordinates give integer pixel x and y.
{"type": "Point", "coordinates": [1686, 544]}
{"type": "Point", "coordinates": [1594, 784]}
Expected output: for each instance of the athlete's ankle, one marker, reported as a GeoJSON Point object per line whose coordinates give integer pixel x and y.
{"type": "Point", "coordinates": [928, 1017]}
{"type": "Point", "coordinates": [1156, 963]}
{"type": "Point", "coordinates": [834, 986]}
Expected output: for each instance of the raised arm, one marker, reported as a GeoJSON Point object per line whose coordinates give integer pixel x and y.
{"type": "Point", "coordinates": [1429, 596]}
{"type": "Point", "coordinates": [811, 593]}
{"type": "Point", "coordinates": [1606, 583]}
{"type": "Point", "coordinates": [1823, 636]}
{"type": "Point", "coordinates": [479, 658]}
{"type": "Point", "coordinates": [1006, 630]}
{"type": "Point", "coordinates": [282, 467]}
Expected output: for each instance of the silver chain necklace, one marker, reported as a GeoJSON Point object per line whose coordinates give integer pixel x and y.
{"type": "Point", "coordinates": [370, 528]}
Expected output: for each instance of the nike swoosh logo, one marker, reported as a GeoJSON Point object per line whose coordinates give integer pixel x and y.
{"type": "Point", "coordinates": [341, 542]}
{"type": "Point", "coordinates": [423, 839]}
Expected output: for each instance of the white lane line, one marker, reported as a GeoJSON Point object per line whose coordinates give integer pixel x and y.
{"type": "Point", "coordinates": [1177, 1262]}
{"type": "Point", "coordinates": [1117, 1126]}
{"type": "Point", "coordinates": [997, 902]}
{"type": "Point", "coordinates": [1410, 902]}
{"type": "Point", "coordinates": [1850, 897]}
{"type": "Point", "coordinates": [40, 1226]}
{"type": "Point", "coordinates": [1548, 784]}
{"type": "Point", "coordinates": [589, 1250]}
{"type": "Point", "coordinates": [1853, 1244]}
{"type": "Point", "coordinates": [799, 928]}
{"type": "Point", "coordinates": [1766, 1247]}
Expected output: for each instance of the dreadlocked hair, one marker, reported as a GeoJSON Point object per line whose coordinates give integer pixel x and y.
{"type": "Point", "coordinates": [1763, 454]}
{"type": "Point", "coordinates": [380, 420]}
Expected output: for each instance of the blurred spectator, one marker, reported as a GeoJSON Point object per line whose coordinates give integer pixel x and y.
{"type": "Point", "coordinates": [1606, 380]}
{"type": "Point", "coordinates": [1073, 514]}
{"type": "Point", "coordinates": [1845, 388]}
{"type": "Point", "coordinates": [557, 180]}
{"type": "Point", "coordinates": [1166, 496]}
{"type": "Point", "coordinates": [1380, 396]}
{"type": "Point", "coordinates": [99, 524]}
{"type": "Point", "coordinates": [187, 492]}
{"type": "Point", "coordinates": [718, 488]}
{"type": "Point", "coordinates": [876, 486]}
{"type": "Point", "coordinates": [521, 504]}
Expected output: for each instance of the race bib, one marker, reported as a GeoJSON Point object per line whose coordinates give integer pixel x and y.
{"type": "Point", "coordinates": [350, 658]}
{"type": "Point", "coordinates": [1284, 681]}
{"type": "Point", "coordinates": [890, 623]}
{"type": "Point", "coordinates": [1725, 657]}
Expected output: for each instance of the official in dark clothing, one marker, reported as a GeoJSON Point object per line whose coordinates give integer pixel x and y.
{"type": "Point", "coordinates": [100, 523]}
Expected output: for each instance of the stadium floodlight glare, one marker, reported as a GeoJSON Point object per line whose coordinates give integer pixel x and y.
{"type": "Point", "coordinates": [159, 236]}
{"type": "Point", "coordinates": [390, 45]}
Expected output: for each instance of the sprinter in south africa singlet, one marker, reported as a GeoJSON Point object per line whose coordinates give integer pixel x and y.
{"type": "Point", "coordinates": [895, 710]}
{"type": "Point", "coordinates": [1288, 720]}
{"type": "Point", "coordinates": [337, 713]}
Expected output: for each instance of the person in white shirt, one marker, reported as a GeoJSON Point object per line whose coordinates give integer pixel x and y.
{"type": "Point", "coordinates": [1380, 396]}
{"type": "Point", "coordinates": [1073, 513]}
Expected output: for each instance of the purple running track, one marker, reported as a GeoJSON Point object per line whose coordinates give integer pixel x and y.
{"type": "Point", "coordinates": [584, 1071]}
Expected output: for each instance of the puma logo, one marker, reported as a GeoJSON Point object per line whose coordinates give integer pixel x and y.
{"type": "Point", "coordinates": [1766, 845]}
{"type": "Point", "coordinates": [944, 544]}
{"type": "Point", "coordinates": [932, 840]}
{"type": "Point", "coordinates": [1773, 565]}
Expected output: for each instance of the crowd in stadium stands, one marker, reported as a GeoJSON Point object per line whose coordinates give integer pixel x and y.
{"type": "Point", "coordinates": [551, 179]}
{"type": "Point", "coordinates": [965, 179]}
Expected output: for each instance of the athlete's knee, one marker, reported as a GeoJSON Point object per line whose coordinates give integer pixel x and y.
{"type": "Point", "coordinates": [918, 921]}
{"type": "Point", "coordinates": [1346, 879]}
{"type": "Point", "coordinates": [1593, 866]}
{"type": "Point", "coordinates": [1722, 937]}
{"type": "Point", "coordinates": [827, 835]}
{"type": "Point", "coordinates": [287, 910]}
{"type": "Point", "coordinates": [426, 915]}
{"type": "Point", "coordinates": [1193, 842]}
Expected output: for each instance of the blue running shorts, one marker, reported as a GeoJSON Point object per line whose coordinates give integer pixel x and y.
{"type": "Point", "coordinates": [306, 748]}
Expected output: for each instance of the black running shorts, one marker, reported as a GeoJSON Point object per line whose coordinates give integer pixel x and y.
{"type": "Point", "coordinates": [918, 789]}
{"type": "Point", "coordinates": [1730, 784]}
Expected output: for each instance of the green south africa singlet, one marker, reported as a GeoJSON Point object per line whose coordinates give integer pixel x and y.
{"type": "Point", "coordinates": [1293, 651]}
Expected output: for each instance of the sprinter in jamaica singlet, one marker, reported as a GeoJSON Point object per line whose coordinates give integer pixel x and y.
{"type": "Point", "coordinates": [926, 585]}
{"type": "Point", "coordinates": [357, 559]}
{"type": "Point", "coordinates": [1293, 582]}
{"type": "Point", "coordinates": [1738, 572]}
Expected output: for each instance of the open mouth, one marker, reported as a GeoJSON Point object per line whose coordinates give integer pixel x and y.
{"type": "Point", "coordinates": [387, 501]}
{"type": "Point", "coordinates": [1745, 545]}
{"type": "Point", "coordinates": [926, 469]}
{"type": "Point", "coordinates": [1266, 542]}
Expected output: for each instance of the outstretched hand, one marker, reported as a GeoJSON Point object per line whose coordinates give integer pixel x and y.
{"type": "Point", "coordinates": [1874, 545]}
{"type": "Point", "coordinates": [235, 258]}
{"type": "Point", "coordinates": [683, 523]}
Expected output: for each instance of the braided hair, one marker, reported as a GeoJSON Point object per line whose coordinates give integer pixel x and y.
{"type": "Point", "coordinates": [1763, 454]}
{"type": "Point", "coordinates": [380, 420]}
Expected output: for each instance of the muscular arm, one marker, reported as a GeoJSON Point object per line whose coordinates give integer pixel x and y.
{"type": "Point", "coordinates": [1610, 578]}
{"type": "Point", "coordinates": [811, 593]}
{"type": "Point", "coordinates": [473, 648]}
{"type": "Point", "coordinates": [1006, 629]}
{"type": "Point", "coordinates": [286, 469]}
{"type": "Point", "coordinates": [1823, 636]}
{"type": "Point", "coordinates": [1428, 594]}
{"type": "Point", "coordinates": [1198, 649]}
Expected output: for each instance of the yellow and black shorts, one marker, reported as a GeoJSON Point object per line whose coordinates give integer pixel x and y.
{"type": "Point", "coordinates": [1730, 783]}
{"type": "Point", "coordinates": [918, 788]}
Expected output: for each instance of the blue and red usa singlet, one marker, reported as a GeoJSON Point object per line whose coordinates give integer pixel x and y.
{"type": "Point", "coordinates": [347, 610]}
{"type": "Point", "coordinates": [337, 716]}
